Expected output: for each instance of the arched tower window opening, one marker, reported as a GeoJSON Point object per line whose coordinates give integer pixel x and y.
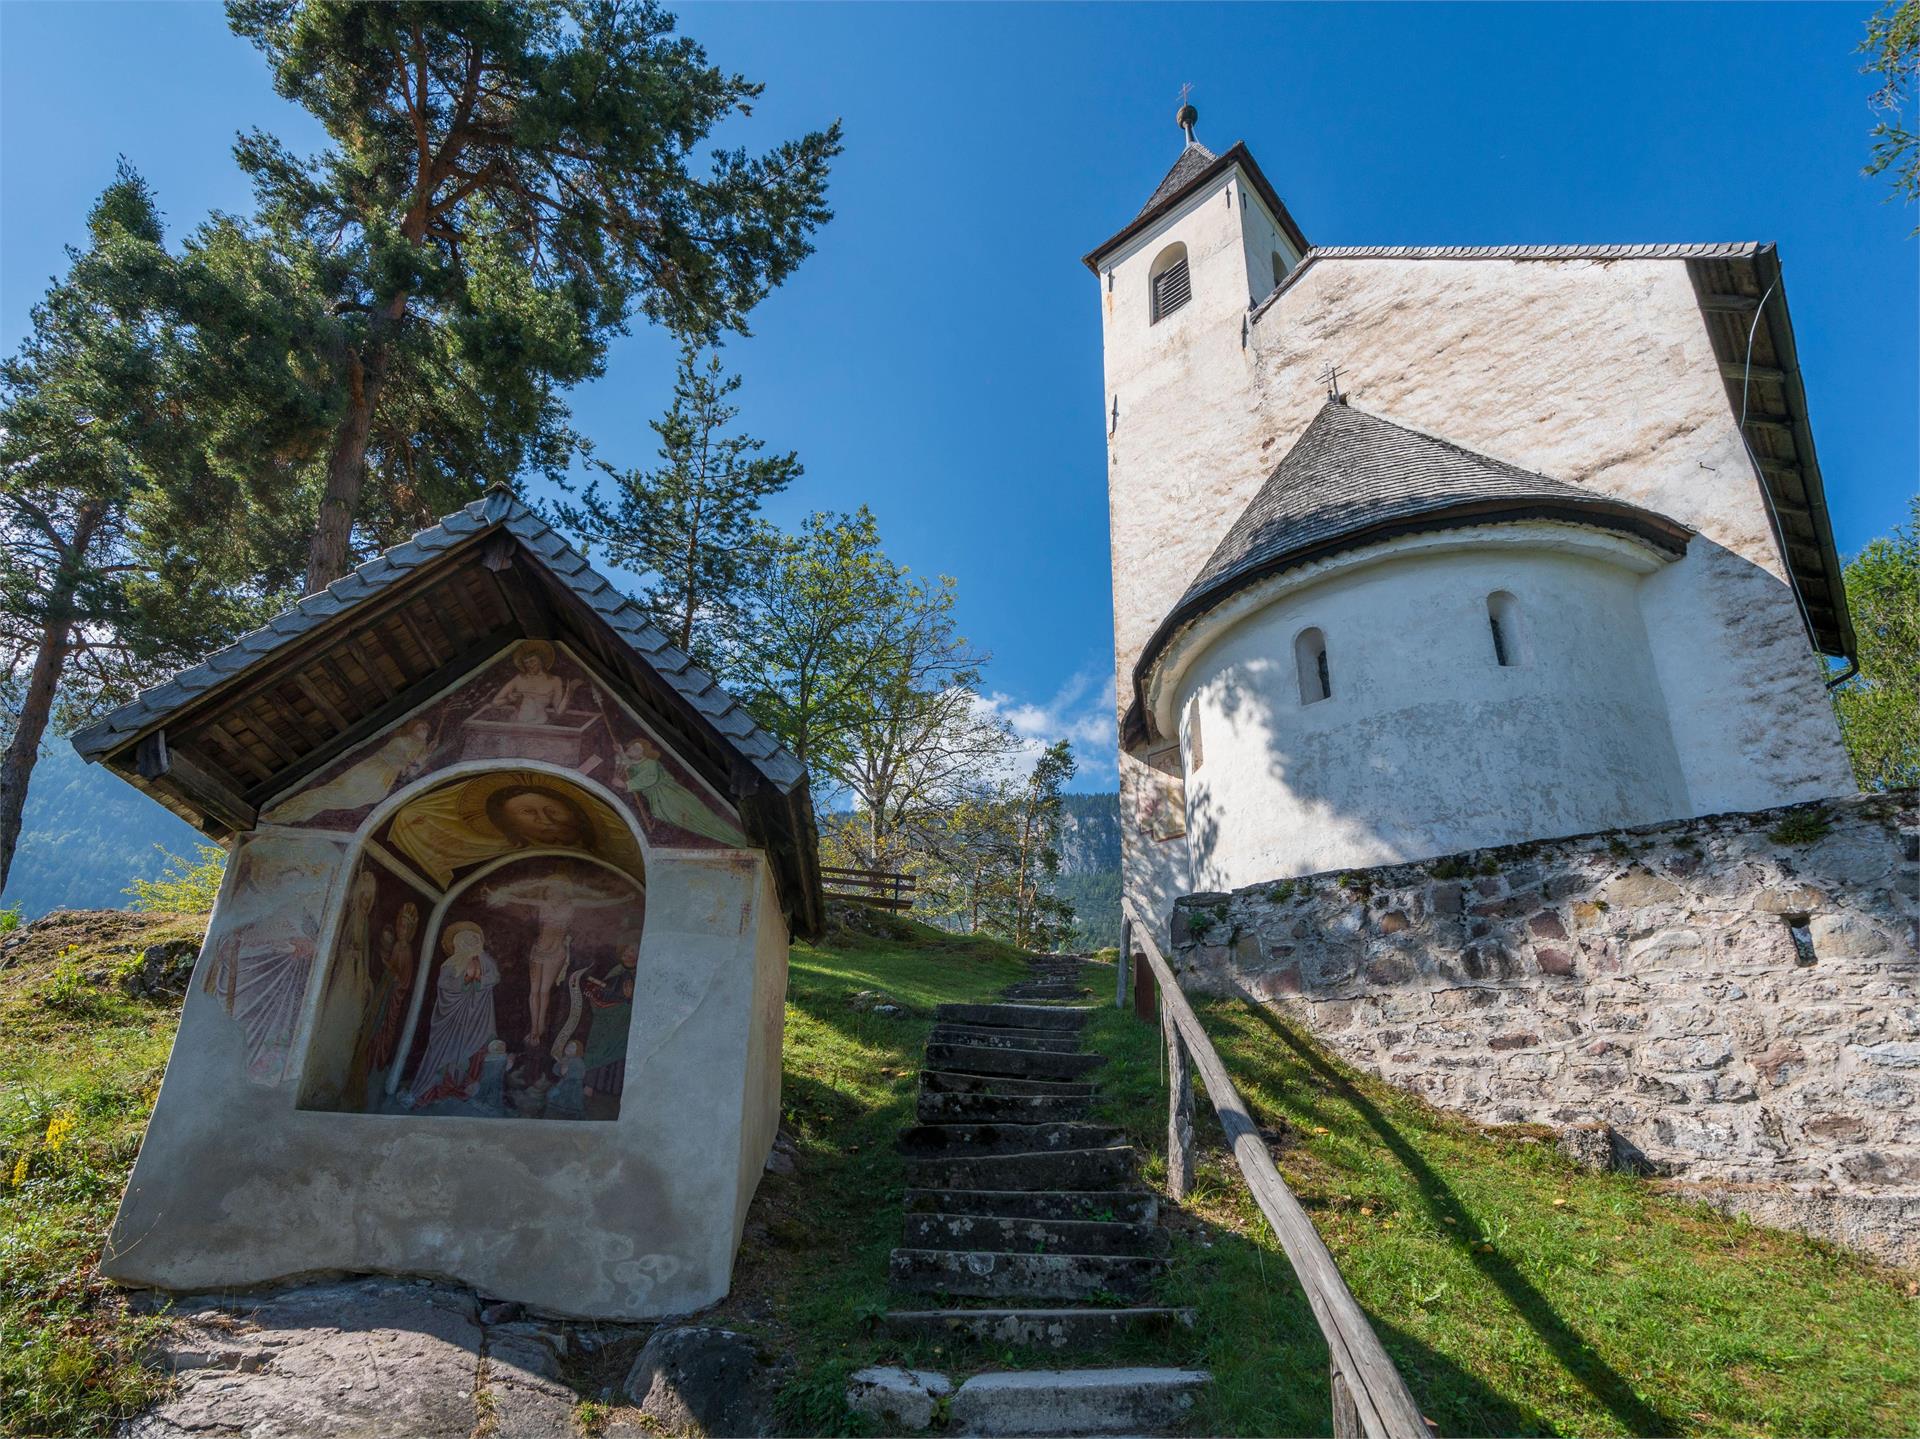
{"type": "Point", "coordinates": [1169, 284]}
{"type": "Point", "coordinates": [1503, 620]}
{"type": "Point", "coordinates": [1310, 660]}
{"type": "Point", "coordinates": [1279, 268]}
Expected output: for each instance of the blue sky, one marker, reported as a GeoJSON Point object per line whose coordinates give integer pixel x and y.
{"type": "Point", "coordinates": [938, 359]}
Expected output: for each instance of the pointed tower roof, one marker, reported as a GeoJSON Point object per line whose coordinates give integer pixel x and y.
{"type": "Point", "coordinates": [1193, 163]}
{"type": "Point", "coordinates": [1353, 479]}
{"type": "Point", "coordinates": [1197, 166]}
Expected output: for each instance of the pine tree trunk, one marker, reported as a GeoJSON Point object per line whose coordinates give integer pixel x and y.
{"type": "Point", "coordinates": [16, 766]}
{"type": "Point", "coordinates": [331, 553]}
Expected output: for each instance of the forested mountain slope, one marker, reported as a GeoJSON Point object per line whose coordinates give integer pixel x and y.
{"type": "Point", "coordinates": [1089, 877]}
{"type": "Point", "coordinates": [86, 836]}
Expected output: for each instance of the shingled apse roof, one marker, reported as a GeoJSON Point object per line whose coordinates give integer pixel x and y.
{"type": "Point", "coordinates": [220, 739]}
{"type": "Point", "coordinates": [1353, 479]}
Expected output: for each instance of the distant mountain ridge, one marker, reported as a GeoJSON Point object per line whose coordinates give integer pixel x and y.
{"type": "Point", "coordinates": [1090, 868]}
{"type": "Point", "coordinates": [86, 835]}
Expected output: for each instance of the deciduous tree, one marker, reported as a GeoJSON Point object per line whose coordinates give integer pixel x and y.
{"type": "Point", "coordinates": [1880, 709]}
{"type": "Point", "coordinates": [1893, 45]}
{"type": "Point", "coordinates": [506, 185]}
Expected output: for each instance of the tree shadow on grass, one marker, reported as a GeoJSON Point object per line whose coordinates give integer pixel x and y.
{"type": "Point", "coordinates": [1269, 1362]}
{"type": "Point", "coordinates": [1608, 1387]}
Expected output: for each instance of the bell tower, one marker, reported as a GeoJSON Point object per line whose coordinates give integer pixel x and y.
{"type": "Point", "coordinates": [1178, 284]}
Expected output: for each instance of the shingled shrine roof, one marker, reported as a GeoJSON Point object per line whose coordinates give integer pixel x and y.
{"type": "Point", "coordinates": [1354, 479]}
{"type": "Point", "coordinates": [219, 740]}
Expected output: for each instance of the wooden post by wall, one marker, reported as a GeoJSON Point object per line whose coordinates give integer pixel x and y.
{"type": "Point", "coordinates": [1179, 1110]}
{"type": "Point", "coordinates": [1122, 961]}
{"type": "Point", "coordinates": [1144, 992]}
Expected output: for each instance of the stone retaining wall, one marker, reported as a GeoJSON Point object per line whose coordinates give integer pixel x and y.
{"type": "Point", "coordinates": [1737, 997]}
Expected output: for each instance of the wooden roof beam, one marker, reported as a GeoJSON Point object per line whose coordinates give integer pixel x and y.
{"type": "Point", "coordinates": [1734, 370]}
{"type": "Point", "coordinates": [1735, 304]}
{"type": "Point", "coordinates": [154, 759]}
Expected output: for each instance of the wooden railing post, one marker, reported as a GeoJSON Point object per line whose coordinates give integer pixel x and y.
{"type": "Point", "coordinates": [1122, 961]}
{"type": "Point", "coordinates": [1365, 1383]}
{"type": "Point", "coordinates": [1179, 1110]}
{"type": "Point", "coordinates": [1143, 993]}
{"type": "Point", "coordinates": [1346, 1414]}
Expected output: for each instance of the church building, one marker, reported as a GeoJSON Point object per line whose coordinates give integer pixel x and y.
{"type": "Point", "coordinates": [1419, 550]}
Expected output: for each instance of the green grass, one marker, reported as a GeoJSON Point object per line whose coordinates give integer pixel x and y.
{"type": "Point", "coordinates": [79, 1066]}
{"type": "Point", "coordinates": [1517, 1294]}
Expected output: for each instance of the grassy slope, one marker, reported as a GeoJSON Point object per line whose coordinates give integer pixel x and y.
{"type": "Point", "coordinates": [80, 1064]}
{"type": "Point", "coordinates": [1616, 1311]}
{"type": "Point", "coordinates": [1517, 1294]}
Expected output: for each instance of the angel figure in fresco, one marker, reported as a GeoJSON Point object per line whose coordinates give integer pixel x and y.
{"type": "Point", "coordinates": [554, 899]}
{"type": "Point", "coordinates": [660, 795]}
{"type": "Point", "coordinates": [535, 694]}
{"type": "Point", "coordinates": [364, 783]}
{"type": "Point", "coordinates": [462, 1028]}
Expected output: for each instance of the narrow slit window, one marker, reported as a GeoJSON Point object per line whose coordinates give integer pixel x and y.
{"type": "Point", "coordinates": [1503, 621]}
{"type": "Point", "coordinates": [1169, 284]}
{"type": "Point", "coordinates": [1310, 660]}
{"type": "Point", "coordinates": [1800, 931]}
{"type": "Point", "coordinates": [1279, 268]}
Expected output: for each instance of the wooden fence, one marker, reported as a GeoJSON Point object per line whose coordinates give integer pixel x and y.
{"type": "Point", "coordinates": [1370, 1400]}
{"type": "Point", "coordinates": [878, 887]}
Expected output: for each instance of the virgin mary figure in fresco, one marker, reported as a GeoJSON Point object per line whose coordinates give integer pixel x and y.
{"type": "Point", "coordinates": [463, 1024]}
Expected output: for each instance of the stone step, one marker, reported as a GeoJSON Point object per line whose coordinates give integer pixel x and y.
{"type": "Point", "coordinates": [1046, 989]}
{"type": "Point", "coordinates": [1119, 1206]}
{"type": "Point", "coordinates": [991, 1274]}
{"type": "Point", "coordinates": [1013, 1016]}
{"type": "Point", "coordinates": [1069, 1169]}
{"type": "Point", "coordinates": [1037, 1328]}
{"type": "Point", "coordinates": [1000, 1108]}
{"type": "Point", "coordinates": [1032, 1236]}
{"type": "Point", "coordinates": [1014, 1063]}
{"type": "Point", "coordinates": [934, 1141]}
{"type": "Point", "coordinates": [1044, 1403]}
{"type": "Point", "coordinates": [1063, 1041]}
{"type": "Point", "coordinates": [946, 1081]}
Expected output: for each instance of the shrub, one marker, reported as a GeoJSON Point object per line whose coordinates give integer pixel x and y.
{"type": "Point", "coordinates": [185, 886]}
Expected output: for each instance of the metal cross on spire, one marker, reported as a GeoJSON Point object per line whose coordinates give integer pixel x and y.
{"type": "Point", "coordinates": [1330, 377]}
{"type": "Point", "coordinates": [1187, 116]}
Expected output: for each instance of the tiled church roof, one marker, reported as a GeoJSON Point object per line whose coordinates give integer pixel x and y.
{"type": "Point", "coordinates": [1354, 479]}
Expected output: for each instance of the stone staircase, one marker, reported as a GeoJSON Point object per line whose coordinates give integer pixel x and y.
{"type": "Point", "coordinates": [1026, 1223]}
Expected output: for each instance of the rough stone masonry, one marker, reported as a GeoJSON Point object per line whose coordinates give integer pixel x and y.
{"type": "Point", "coordinates": [1736, 998]}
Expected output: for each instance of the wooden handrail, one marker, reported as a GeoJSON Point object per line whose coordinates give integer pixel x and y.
{"type": "Point", "coordinates": [1369, 1396]}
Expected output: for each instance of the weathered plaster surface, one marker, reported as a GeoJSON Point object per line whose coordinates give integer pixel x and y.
{"type": "Point", "coordinates": [1648, 980]}
{"type": "Point", "coordinates": [1427, 744]}
{"type": "Point", "coordinates": [1599, 373]}
{"type": "Point", "coordinates": [632, 1217]}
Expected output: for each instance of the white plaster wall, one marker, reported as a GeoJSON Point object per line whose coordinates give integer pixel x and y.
{"type": "Point", "coordinates": [628, 1218]}
{"type": "Point", "coordinates": [1599, 373]}
{"type": "Point", "coordinates": [1428, 745]}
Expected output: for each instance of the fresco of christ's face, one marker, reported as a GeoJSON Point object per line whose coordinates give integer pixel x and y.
{"type": "Point", "coordinates": [540, 817]}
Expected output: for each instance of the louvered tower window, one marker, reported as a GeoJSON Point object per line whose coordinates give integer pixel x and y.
{"type": "Point", "coordinates": [1168, 282]}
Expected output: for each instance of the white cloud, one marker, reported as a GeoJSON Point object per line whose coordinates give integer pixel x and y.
{"type": "Point", "coordinates": [1080, 711]}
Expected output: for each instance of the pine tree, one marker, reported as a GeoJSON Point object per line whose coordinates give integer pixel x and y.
{"type": "Point", "coordinates": [692, 524]}
{"type": "Point", "coordinates": [101, 457]}
{"type": "Point", "coordinates": [507, 184]}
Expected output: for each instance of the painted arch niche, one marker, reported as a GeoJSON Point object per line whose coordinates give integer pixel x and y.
{"type": "Point", "coordinates": [485, 960]}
